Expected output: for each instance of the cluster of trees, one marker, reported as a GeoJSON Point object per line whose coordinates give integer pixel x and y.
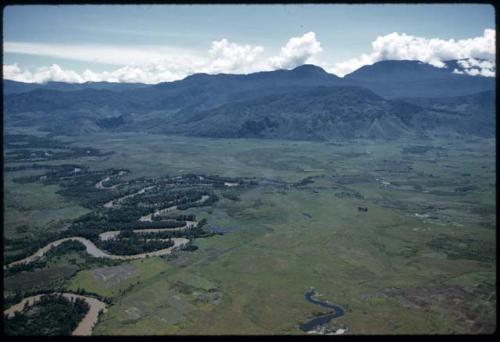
{"type": "Point", "coordinates": [464, 248]}
{"type": "Point", "coordinates": [163, 235]}
{"type": "Point", "coordinates": [37, 155]}
{"type": "Point", "coordinates": [231, 195]}
{"type": "Point", "coordinates": [204, 180]}
{"type": "Point", "coordinates": [24, 268]}
{"type": "Point", "coordinates": [125, 214]}
{"type": "Point", "coordinates": [24, 146]}
{"type": "Point", "coordinates": [94, 223]}
{"type": "Point", "coordinates": [180, 217]}
{"type": "Point", "coordinates": [211, 200]}
{"type": "Point", "coordinates": [24, 140]}
{"type": "Point", "coordinates": [64, 248]}
{"type": "Point", "coordinates": [128, 243]}
{"type": "Point", "coordinates": [18, 295]}
{"type": "Point", "coordinates": [83, 292]}
{"type": "Point", "coordinates": [190, 248]}
{"type": "Point", "coordinates": [28, 245]}
{"type": "Point", "coordinates": [154, 224]}
{"type": "Point", "coordinates": [77, 183]}
{"type": "Point", "coordinates": [113, 180]}
{"type": "Point", "coordinates": [182, 191]}
{"type": "Point", "coordinates": [349, 194]}
{"type": "Point", "coordinates": [53, 315]}
{"type": "Point", "coordinates": [162, 198]}
{"type": "Point", "coordinates": [43, 166]}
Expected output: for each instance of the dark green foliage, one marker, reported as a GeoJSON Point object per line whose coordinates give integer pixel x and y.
{"type": "Point", "coordinates": [181, 217]}
{"type": "Point", "coordinates": [53, 315]}
{"type": "Point", "coordinates": [349, 194]}
{"type": "Point", "coordinates": [131, 244]}
{"type": "Point", "coordinates": [22, 148]}
{"type": "Point", "coordinates": [49, 278]}
{"type": "Point", "coordinates": [24, 267]}
{"type": "Point", "coordinates": [231, 195]}
{"type": "Point", "coordinates": [190, 248]}
{"type": "Point", "coordinates": [464, 248]}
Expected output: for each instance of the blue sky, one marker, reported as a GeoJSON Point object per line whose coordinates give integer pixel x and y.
{"type": "Point", "coordinates": [176, 40]}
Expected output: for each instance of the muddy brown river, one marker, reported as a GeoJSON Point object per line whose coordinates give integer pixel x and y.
{"type": "Point", "coordinates": [85, 326]}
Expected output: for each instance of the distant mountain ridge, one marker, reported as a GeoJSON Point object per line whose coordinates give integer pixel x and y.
{"type": "Point", "coordinates": [14, 87]}
{"type": "Point", "coordinates": [303, 103]}
{"type": "Point", "coordinates": [393, 79]}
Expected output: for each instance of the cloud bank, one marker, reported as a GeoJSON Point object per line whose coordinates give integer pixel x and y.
{"type": "Point", "coordinates": [434, 51]}
{"type": "Point", "coordinates": [154, 64]}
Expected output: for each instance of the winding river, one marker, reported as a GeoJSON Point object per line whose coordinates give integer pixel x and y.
{"type": "Point", "coordinates": [96, 306]}
{"type": "Point", "coordinates": [323, 319]}
{"type": "Point", "coordinates": [93, 250]}
{"type": "Point", "coordinates": [86, 324]}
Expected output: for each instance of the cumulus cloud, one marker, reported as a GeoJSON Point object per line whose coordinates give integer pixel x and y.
{"type": "Point", "coordinates": [41, 75]}
{"type": "Point", "coordinates": [154, 64]}
{"type": "Point", "coordinates": [396, 46]}
{"type": "Point", "coordinates": [140, 64]}
{"type": "Point", "coordinates": [474, 67]}
{"type": "Point", "coordinates": [298, 51]}
{"type": "Point", "coordinates": [230, 57]}
{"type": "Point", "coordinates": [144, 64]}
{"type": "Point", "coordinates": [148, 73]}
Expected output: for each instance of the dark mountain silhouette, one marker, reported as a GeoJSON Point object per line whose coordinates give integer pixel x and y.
{"type": "Point", "coordinates": [384, 100]}
{"type": "Point", "coordinates": [417, 79]}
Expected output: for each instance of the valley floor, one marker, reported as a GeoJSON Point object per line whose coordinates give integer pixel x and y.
{"type": "Point", "coordinates": [420, 260]}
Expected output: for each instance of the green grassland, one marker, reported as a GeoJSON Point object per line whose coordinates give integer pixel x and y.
{"type": "Point", "coordinates": [35, 206]}
{"type": "Point", "coordinates": [252, 279]}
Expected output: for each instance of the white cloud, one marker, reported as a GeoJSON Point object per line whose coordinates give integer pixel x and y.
{"type": "Point", "coordinates": [231, 57]}
{"type": "Point", "coordinates": [154, 64]}
{"type": "Point", "coordinates": [396, 46]}
{"type": "Point", "coordinates": [297, 51]}
{"type": "Point", "coordinates": [144, 64]}
{"type": "Point", "coordinates": [475, 67]}
{"type": "Point", "coordinates": [103, 54]}
{"type": "Point", "coordinates": [42, 75]}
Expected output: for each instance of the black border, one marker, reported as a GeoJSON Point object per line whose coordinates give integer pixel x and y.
{"type": "Point", "coordinates": [207, 2]}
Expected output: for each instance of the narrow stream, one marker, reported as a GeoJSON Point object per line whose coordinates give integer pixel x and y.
{"type": "Point", "coordinates": [323, 319]}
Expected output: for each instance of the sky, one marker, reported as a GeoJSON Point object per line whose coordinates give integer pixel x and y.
{"type": "Point", "coordinates": [159, 43]}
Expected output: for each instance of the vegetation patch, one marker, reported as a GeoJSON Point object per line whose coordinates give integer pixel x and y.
{"type": "Point", "coordinates": [464, 248]}
{"type": "Point", "coordinates": [53, 315]}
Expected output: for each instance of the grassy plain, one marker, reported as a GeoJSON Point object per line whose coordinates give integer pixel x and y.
{"type": "Point", "coordinates": [379, 265]}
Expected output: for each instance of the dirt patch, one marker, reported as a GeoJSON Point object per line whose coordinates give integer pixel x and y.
{"type": "Point", "coordinates": [133, 313]}
{"type": "Point", "coordinates": [111, 276]}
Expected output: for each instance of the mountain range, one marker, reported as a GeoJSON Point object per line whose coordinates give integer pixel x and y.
{"type": "Point", "coordinates": [387, 100]}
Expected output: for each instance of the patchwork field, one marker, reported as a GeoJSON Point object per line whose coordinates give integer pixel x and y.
{"type": "Point", "coordinates": [420, 259]}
